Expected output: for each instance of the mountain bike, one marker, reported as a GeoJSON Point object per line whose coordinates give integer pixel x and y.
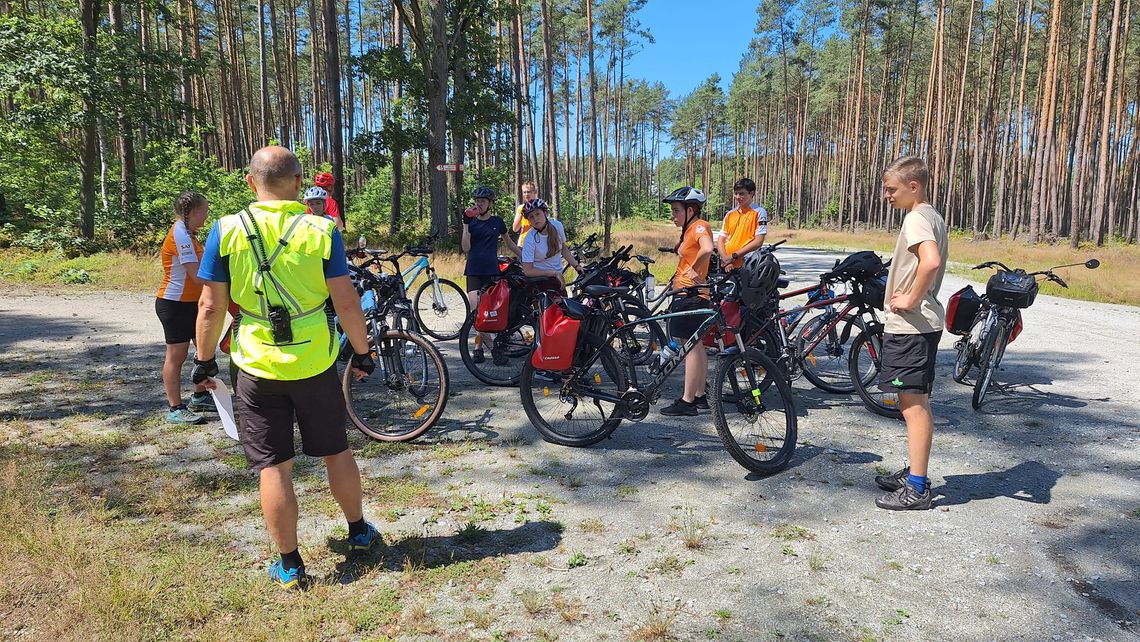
{"type": "Point", "coordinates": [751, 400]}
{"type": "Point", "coordinates": [408, 391]}
{"type": "Point", "coordinates": [439, 305]}
{"type": "Point", "coordinates": [989, 323]}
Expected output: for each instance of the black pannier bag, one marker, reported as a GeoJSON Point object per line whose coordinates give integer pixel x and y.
{"type": "Point", "coordinates": [875, 289]}
{"type": "Point", "coordinates": [962, 310]}
{"type": "Point", "coordinates": [1012, 289]}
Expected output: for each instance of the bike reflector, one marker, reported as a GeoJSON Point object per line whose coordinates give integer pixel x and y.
{"type": "Point", "coordinates": [557, 339]}
{"type": "Point", "coordinates": [493, 313]}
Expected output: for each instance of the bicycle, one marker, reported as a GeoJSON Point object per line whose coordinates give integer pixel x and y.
{"type": "Point", "coordinates": [408, 392]}
{"type": "Point", "coordinates": [991, 322]}
{"type": "Point", "coordinates": [441, 315]}
{"type": "Point", "coordinates": [585, 404]}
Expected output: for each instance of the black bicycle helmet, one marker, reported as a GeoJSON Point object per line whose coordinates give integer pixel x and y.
{"type": "Point", "coordinates": [483, 192]}
{"type": "Point", "coordinates": [758, 278]}
{"type": "Point", "coordinates": [860, 265]}
{"type": "Point", "coordinates": [536, 204]}
{"type": "Point", "coordinates": [685, 194]}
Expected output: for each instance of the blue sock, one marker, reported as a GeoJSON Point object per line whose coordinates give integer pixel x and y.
{"type": "Point", "coordinates": [916, 482]}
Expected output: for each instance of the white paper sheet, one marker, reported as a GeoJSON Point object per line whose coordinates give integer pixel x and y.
{"type": "Point", "coordinates": [225, 406]}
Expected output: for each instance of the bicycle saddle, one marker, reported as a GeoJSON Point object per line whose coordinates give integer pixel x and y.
{"type": "Point", "coordinates": [644, 259]}
{"type": "Point", "coordinates": [604, 290]}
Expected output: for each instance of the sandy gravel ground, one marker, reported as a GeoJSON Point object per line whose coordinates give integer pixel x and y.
{"type": "Point", "coordinates": [1036, 533]}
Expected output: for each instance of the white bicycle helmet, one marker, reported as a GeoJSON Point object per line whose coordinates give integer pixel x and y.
{"type": "Point", "coordinates": [686, 194]}
{"type": "Point", "coordinates": [315, 193]}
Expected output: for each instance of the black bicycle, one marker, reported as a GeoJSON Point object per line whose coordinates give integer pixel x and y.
{"type": "Point", "coordinates": [990, 322]}
{"type": "Point", "coordinates": [751, 400]}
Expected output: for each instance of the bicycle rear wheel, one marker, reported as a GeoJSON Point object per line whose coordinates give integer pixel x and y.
{"type": "Point", "coordinates": [826, 365]}
{"type": "Point", "coordinates": [441, 312]}
{"type": "Point", "coordinates": [503, 353]}
{"type": "Point", "coordinates": [865, 364]}
{"type": "Point", "coordinates": [406, 394]}
{"type": "Point", "coordinates": [754, 412]}
{"type": "Point", "coordinates": [639, 344]}
{"type": "Point", "coordinates": [564, 406]}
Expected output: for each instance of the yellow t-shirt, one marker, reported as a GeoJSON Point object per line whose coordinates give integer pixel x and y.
{"type": "Point", "coordinates": [741, 226]}
{"type": "Point", "coordinates": [524, 225]}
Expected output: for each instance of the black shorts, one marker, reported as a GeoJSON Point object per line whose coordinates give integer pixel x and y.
{"type": "Point", "coordinates": [908, 362]}
{"type": "Point", "coordinates": [178, 319]}
{"type": "Point", "coordinates": [267, 408]}
{"type": "Point", "coordinates": [682, 328]}
{"type": "Point", "coordinates": [476, 282]}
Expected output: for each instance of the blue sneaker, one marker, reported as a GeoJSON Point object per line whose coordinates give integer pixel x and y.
{"type": "Point", "coordinates": [364, 541]}
{"type": "Point", "coordinates": [181, 415]}
{"type": "Point", "coordinates": [290, 580]}
{"type": "Point", "coordinates": [200, 403]}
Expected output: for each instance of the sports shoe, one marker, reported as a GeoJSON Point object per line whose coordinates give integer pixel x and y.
{"type": "Point", "coordinates": [701, 402]}
{"type": "Point", "coordinates": [906, 498]}
{"type": "Point", "coordinates": [893, 481]}
{"type": "Point", "coordinates": [181, 415]}
{"type": "Point", "coordinates": [680, 408]}
{"type": "Point", "coordinates": [364, 541]}
{"type": "Point", "coordinates": [291, 580]}
{"type": "Point", "coordinates": [200, 403]}
{"type": "Point", "coordinates": [549, 377]}
{"type": "Point", "coordinates": [500, 358]}
{"type": "Point", "coordinates": [478, 356]}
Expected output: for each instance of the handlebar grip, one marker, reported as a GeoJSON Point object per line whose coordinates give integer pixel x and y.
{"type": "Point", "coordinates": [1059, 280]}
{"type": "Point", "coordinates": [668, 250]}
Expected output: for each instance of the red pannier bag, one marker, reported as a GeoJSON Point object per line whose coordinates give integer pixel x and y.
{"type": "Point", "coordinates": [493, 314]}
{"type": "Point", "coordinates": [731, 310]}
{"type": "Point", "coordinates": [557, 339]}
{"type": "Point", "coordinates": [961, 310]}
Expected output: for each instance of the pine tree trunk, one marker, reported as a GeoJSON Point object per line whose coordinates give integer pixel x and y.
{"type": "Point", "coordinates": [1104, 142]}
{"type": "Point", "coordinates": [550, 127]}
{"type": "Point", "coordinates": [89, 154]}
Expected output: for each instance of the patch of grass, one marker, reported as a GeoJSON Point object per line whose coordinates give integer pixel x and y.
{"type": "Point", "coordinates": [694, 532]}
{"type": "Point", "coordinates": [398, 492]}
{"type": "Point", "coordinates": [817, 561]}
{"type": "Point", "coordinates": [657, 626]}
{"type": "Point", "coordinates": [882, 470]}
{"type": "Point", "coordinates": [816, 600]}
{"type": "Point", "coordinates": [1135, 514]}
{"type": "Point", "coordinates": [382, 448]}
{"type": "Point", "coordinates": [670, 565]}
{"type": "Point", "coordinates": [848, 483]}
{"type": "Point", "coordinates": [723, 614]}
{"type": "Point", "coordinates": [626, 490]}
{"type": "Point", "coordinates": [894, 566]}
{"type": "Point", "coordinates": [992, 559]}
{"type": "Point", "coordinates": [629, 547]}
{"type": "Point", "coordinates": [569, 608]}
{"type": "Point", "coordinates": [592, 525]}
{"type": "Point", "coordinates": [788, 550]}
{"type": "Point", "coordinates": [733, 570]}
{"type": "Point", "coordinates": [898, 618]}
{"type": "Point", "coordinates": [454, 450]}
{"type": "Point", "coordinates": [792, 533]}
{"type": "Point", "coordinates": [576, 560]}
{"type": "Point", "coordinates": [236, 461]}
{"type": "Point", "coordinates": [471, 532]}
{"type": "Point", "coordinates": [480, 618]}
{"type": "Point", "coordinates": [532, 601]}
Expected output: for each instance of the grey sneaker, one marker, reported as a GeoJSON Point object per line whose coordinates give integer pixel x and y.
{"type": "Point", "coordinates": [200, 403]}
{"type": "Point", "coordinates": [893, 481]}
{"type": "Point", "coordinates": [906, 498]}
{"type": "Point", "coordinates": [182, 415]}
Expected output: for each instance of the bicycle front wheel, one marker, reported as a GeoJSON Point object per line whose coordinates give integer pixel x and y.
{"type": "Point", "coordinates": [754, 412]}
{"type": "Point", "coordinates": [826, 365]}
{"type": "Point", "coordinates": [638, 344]}
{"type": "Point", "coordinates": [405, 395]}
{"type": "Point", "coordinates": [992, 346]}
{"type": "Point", "coordinates": [496, 359]}
{"type": "Point", "coordinates": [564, 406]}
{"type": "Point", "coordinates": [441, 310]}
{"type": "Point", "coordinates": [865, 364]}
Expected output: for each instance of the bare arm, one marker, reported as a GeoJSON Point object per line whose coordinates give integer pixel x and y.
{"type": "Point", "coordinates": [929, 262]}
{"type": "Point", "coordinates": [191, 273]}
{"type": "Point", "coordinates": [530, 270]}
{"type": "Point", "coordinates": [465, 242]}
{"type": "Point", "coordinates": [212, 306]}
{"type": "Point", "coordinates": [569, 256]}
{"type": "Point", "coordinates": [517, 225]}
{"type": "Point", "coordinates": [511, 245]}
{"type": "Point", "coordinates": [347, 305]}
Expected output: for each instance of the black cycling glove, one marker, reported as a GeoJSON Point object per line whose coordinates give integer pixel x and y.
{"type": "Point", "coordinates": [363, 362]}
{"type": "Point", "coordinates": [204, 369]}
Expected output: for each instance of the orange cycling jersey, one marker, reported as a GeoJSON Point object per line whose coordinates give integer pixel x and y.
{"type": "Point", "coordinates": [741, 226]}
{"type": "Point", "coordinates": [688, 250]}
{"type": "Point", "coordinates": [179, 249]}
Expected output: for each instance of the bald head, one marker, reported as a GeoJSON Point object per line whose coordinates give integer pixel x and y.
{"type": "Point", "coordinates": [274, 174]}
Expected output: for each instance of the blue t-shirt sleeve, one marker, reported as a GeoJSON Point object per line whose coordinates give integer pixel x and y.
{"type": "Point", "coordinates": [501, 226]}
{"type": "Point", "coordinates": [214, 266]}
{"type": "Point", "coordinates": [336, 265]}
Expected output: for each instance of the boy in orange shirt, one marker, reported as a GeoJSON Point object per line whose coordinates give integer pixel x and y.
{"type": "Point", "coordinates": [744, 228]}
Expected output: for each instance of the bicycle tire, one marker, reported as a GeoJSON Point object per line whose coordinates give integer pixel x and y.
{"type": "Point", "coordinates": [648, 337]}
{"type": "Point", "coordinates": [863, 356]}
{"type": "Point", "coordinates": [606, 373]}
{"type": "Point", "coordinates": [441, 324]}
{"type": "Point", "coordinates": [406, 410]}
{"type": "Point", "coordinates": [742, 402]}
{"type": "Point", "coordinates": [830, 352]}
{"type": "Point", "coordinates": [963, 361]}
{"type": "Point", "coordinates": [515, 347]}
{"type": "Point", "coordinates": [987, 363]}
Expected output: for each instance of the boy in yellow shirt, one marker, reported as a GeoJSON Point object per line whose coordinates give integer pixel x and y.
{"type": "Point", "coordinates": [744, 228]}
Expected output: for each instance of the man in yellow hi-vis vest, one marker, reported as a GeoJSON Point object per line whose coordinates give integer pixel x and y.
{"type": "Point", "coordinates": [282, 268]}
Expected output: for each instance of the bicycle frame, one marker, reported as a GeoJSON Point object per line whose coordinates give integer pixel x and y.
{"type": "Point", "coordinates": [413, 272]}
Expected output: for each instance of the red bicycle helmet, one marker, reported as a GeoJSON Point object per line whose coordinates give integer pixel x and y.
{"type": "Point", "coordinates": [324, 179]}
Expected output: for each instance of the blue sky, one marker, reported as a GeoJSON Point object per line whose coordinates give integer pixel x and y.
{"type": "Point", "coordinates": [693, 40]}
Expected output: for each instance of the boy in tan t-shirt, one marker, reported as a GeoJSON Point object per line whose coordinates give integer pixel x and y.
{"type": "Point", "coordinates": [913, 326]}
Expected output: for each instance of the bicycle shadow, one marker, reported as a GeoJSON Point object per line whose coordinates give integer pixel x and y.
{"type": "Point", "coordinates": [1029, 481]}
{"type": "Point", "coordinates": [421, 553]}
{"type": "Point", "coordinates": [807, 452]}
